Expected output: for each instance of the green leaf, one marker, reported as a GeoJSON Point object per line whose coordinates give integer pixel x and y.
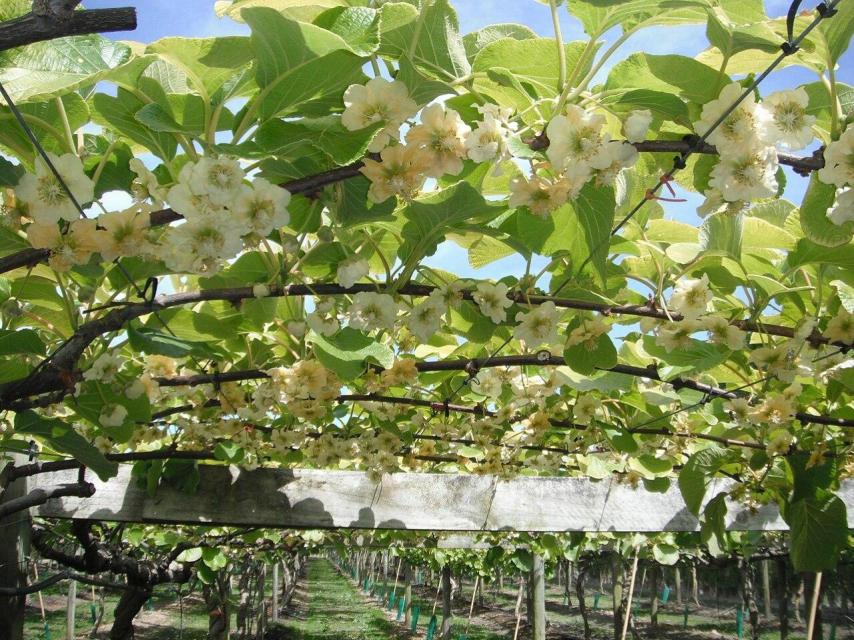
{"type": "Point", "coordinates": [63, 438]}
{"type": "Point", "coordinates": [532, 63]}
{"type": "Point", "coordinates": [598, 16]}
{"type": "Point", "coordinates": [348, 351]}
{"type": "Point", "coordinates": [666, 554]}
{"type": "Point", "coordinates": [96, 396]}
{"type": "Point", "coordinates": [663, 106]}
{"type": "Point", "coordinates": [190, 555]}
{"type": "Point", "coordinates": [421, 88]}
{"type": "Point", "coordinates": [838, 30]}
{"type": "Point", "coordinates": [152, 342]}
{"type": "Point", "coordinates": [429, 219]}
{"type": "Point", "coordinates": [438, 50]}
{"type": "Point", "coordinates": [713, 520]}
{"type": "Point", "coordinates": [731, 37]}
{"type": "Point", "coordinates": [20, 341]}
{"type": "Point", "coordinates": [621, 440]}
{"type": "Point", "coordinates": [10, 174]}
{"type": "Point", "coordinates": [118, 113]}
{"type": "Point", "coordinates": [358, 26]}
{"type": "Point", "coordinates": [587, 361]}
{"type": "Point", "coordinates": [185, 115]}
{"type": "Point", "coordinates": [300, 67]}
{"type": "Point", "coordinates": [698, 472]}
{"type": "Point", "coordinates": [814, 221]}
{"type": "Point", "coordinates": [214, 558]}
{"type": "Point", "coordinates": [818, 531]}
{"type": "Point", "coordinates": [477, 40]}
{"type": "Point", "coordinates": [49, 69]}
{"type": "Point", "coordinates": [45, 119]}
{"type": "Point", "coordinates": [807, 252]}
{"type": "Point", "coordinates": [722, 232]}
{"type": "Point", "coordinates": [696, 355]}
{"type": "Point", "coordinates": [229, 452]}
{"type": "Point", "coordinates": [327, 134]}
{"type": "Point", "coordinates": [210, 64]}
{"type": "Point", "coordinates": [675, 74]}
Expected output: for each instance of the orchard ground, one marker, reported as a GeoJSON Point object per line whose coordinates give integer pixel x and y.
{"type": "Point", "coordinates": [328, 605]}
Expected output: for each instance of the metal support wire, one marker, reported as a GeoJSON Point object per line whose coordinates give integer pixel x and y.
{"type": "Point", "coordinates": [825, 11]}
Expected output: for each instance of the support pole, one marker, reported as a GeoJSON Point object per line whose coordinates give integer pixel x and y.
{"type": "Point", "coordinates": [71, 610]}
{"type": "Point", "coordinates": [447, 616]}
{"type": "Point", "coordinates": [628, 611]}
{"type": "Point", "coordinates": [275, 615]}
{"type": "Point", "coordinates": [816, 595]}
{"type": "Point", "coordinates": [538, 598]}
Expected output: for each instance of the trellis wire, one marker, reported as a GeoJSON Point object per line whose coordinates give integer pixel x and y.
{"type": "Point", "coordinates": [825, 10]}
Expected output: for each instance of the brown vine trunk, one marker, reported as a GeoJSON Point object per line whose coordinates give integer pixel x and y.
{"type": "Point", "coordinates": [579, 594]}
{"type": "Point", "coordinates": [748, 597]}
{"type": "Point", "coordinates": [219, 610]}
{"type": "Point", "coordinates": [620, 594]}
{"type": "Point", "coordinates": [783, 596]}
{"type": "Point", "coordinates": [129, 605]}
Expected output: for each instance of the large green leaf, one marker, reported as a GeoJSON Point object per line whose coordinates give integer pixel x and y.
{"type": "Point", "coordinates": [303, 10]}
{"type": "Point", "coordinates": [732, 37]}
{"type": "Point", "coordinates": [429, 219]}
{"type": "Point", "coordinates": [697, 355]}
{"type": "Point", "coordinates": [683, 76]}
{"type": "Point", "coordinates": [278, 137]}
{"type": "Point", "coordinates": [521, 71]}
{"type": "Point", "coordinates": [347, 352]}
{"type": "Point", "coordinates": [722, 232]}
{"type": "Point", "coordinates": [581, 228]}
{"type": "Point", "coordinates": [698, 472]}
{"type": "Point", "coordinates": [477, 40]}
{"type": "Point", "coordinates": [185, 115]}
{"type": "Point", "coordinates": [431, 36]}
{"type": "Point", "coordinates": [210, 64]}
{"type": "Point", "coordinates": [358, 26]}
{"type": "Point", "coordinates": [598, 16]}
{"type": "Point", "coordinates": [118, 113]}
{"type": "Point", "coordinates": [807, 252]}
{"type": "Point", "coordinates": [63, 438]}
{"type": "Point", "coordinates": [818, 531]}
{"type": "Point", "coordinates": [838, 30]}
{"type": "Point", "coordinates": [49, 69]}
{"type": "Point", "coordinates": [45, 119]}
{"type": "Point", "coordinates": [300, 67]}
{"type": "Point", "coordinates": [814, 221]}
{"type": "Point", "coordinates": [20, 341]}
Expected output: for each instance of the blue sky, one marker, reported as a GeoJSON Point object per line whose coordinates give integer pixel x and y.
{"type": "Point", "coordinates": [161, 18]}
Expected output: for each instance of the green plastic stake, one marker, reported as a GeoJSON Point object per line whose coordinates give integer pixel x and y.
{"type": "Point", "coordinates": [739, 623]}
{"type": "Point", "coordinates": [47, 635]}
{"type": "Point", "coordinates": [414, 612]}
{"type": "Point", "coordinates": [392, 600]}
{"type": "Point", "coordinates": [462, 636]}
{"type": "Point", "coordinates": [431, 628]}
{"type": "Point", "coordinates": [596, 597]}
{"type": "Point", "coordinates": [832, 632]}
{"type": "Point", "coordinates": [401, 606]}
{"type": "Point", "coordinates": [149, 605]}
{"type": "Point", "coordinates": [685, 621]}
{"type": "Point", "coordinates": [93, 612]}
{"type": "Point", "coordinates": [665, 594]}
